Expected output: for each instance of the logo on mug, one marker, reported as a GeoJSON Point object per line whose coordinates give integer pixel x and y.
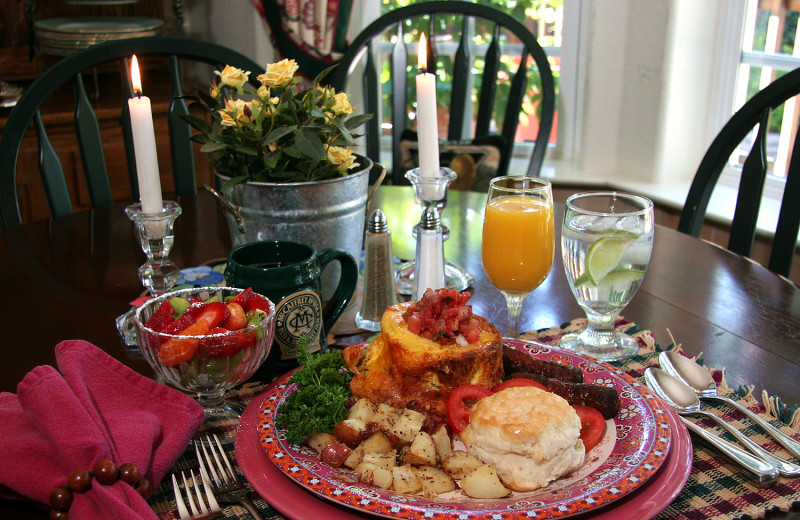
{"type": "Point", "coordinates": [299, 314]}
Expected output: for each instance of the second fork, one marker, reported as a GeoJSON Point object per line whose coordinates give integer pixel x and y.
{"type": "Point", "coordinates": [227, 486]}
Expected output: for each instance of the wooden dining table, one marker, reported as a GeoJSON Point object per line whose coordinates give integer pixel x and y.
{"type": "Point", "coordinates": [70, 277]}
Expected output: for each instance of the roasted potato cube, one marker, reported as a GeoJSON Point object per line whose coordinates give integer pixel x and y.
{"type": "Point", "coordinates": [460, 464]}
{"type": "Point", "coordinates": [385, 416]}
{"type": "Point", "coordinates": [442, 443]}
{"type": "Point", "coordinates": [363, 410]}
{"type": "Point", "coordinates": [382, 460]}
{"type": "Point", "coordinates": [405, 480]}
{"type": "Point", "coordinates": [355, 457]}
{"type": "Point", "coordinates": [422, 452]}
{"type": "Point", "coordinates": [334, 454]}
{"type": "Point", "coordinates": [483, 482]}
{"type": "Point", "coordinates": [350, 431]}
{"type": "Point", "coordinates": [374, 475]}
{"type": "Point", "coordinates": [434, 481]}
{"type": "Point", "coordinates": [407, 425]}
{"type": "Point", "coordinates": [376, 443]}
{"type": "Point", "coordinates": [318, 441]}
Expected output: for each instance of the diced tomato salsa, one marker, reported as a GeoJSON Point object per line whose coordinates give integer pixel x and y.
{"type": "Point", "coordinates": [442, 316]}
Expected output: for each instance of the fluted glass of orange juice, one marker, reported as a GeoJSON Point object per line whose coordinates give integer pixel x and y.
{"type": "Point", "coordinates": [518, 239]}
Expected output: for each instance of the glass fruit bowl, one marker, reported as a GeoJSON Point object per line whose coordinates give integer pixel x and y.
{"type": "Point", "coordinates": [206, 359]}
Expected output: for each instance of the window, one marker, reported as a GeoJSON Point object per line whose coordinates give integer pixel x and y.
{"type": "Point", "coordinates": [770, 47]}
{"type": "Point", "coordinates": [545, 20]}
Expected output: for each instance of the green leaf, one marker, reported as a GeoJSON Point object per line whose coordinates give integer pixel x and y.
{"type": "Point", "coordinates": [212, 147]}
{"type": "Point", "coordinates": [354, 121]}
{"type": "Point", "coordinates": [197, 123]}
{"type": "Point", "coordinates": [310, 145]}
{"type": "Point", "coordinates": [233, 181]}
{"type": "Point", "coordinates": [278, 133]}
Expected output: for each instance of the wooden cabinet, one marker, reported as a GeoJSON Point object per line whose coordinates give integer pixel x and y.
{"type": "Point", "coordinates": [17, 66]}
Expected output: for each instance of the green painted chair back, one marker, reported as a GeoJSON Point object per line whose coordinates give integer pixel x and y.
{"type": "Point", "coordinates": [752, 117]}
{"type": "Point", "coordinates": [87, 129]}
{"type": "Point", "coordinates": [518, 44]}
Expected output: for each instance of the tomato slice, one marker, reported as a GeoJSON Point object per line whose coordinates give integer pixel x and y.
{"type": "Point", "coordinates": [592, 425]}
{"type": "Point", "coordinates": [520, 381]}
{"type": "Point", "coordinates": [459, 405]}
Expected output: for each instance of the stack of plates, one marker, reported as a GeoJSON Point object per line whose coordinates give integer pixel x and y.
{"type": "Point", "coordinates": [64, 36]}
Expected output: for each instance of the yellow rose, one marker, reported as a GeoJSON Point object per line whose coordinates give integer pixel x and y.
{"type": "Point", "coordinates": [263, 92]}
{"type": "Point", "coordinates": [341, 106]}
{"type": "Point", "coordinates": [342, 157]}
{"type": "Point", "coordinates": [225, 119]}
{"type": "Point", "coordinates": [233, 77]}
{"type": "Point", "coordinates": [214, 91]}
{"type": "Point", "coordinates": [237, 110]}
{"type": "Point", "coordinates": [279, 74]}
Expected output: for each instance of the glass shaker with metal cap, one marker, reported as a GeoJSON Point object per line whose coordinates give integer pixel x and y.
{"type": "Point", "coordinates": [379, 289]}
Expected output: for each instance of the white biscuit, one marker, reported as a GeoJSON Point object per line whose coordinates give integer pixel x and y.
{"type": "Point", "coordinates": [531, 436]}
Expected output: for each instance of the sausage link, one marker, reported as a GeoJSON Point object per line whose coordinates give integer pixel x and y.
{"type": "Point", "coordinates": [518, 361]}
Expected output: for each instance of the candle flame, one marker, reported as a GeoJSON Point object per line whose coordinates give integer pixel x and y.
{"type": "Point", "coordinates": [135, 78]}
{"type": "Point", "coordinates": [422, 54]}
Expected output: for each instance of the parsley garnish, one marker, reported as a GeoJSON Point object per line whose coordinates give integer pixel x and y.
{"type": "Point", "coordinates": [323, 388]}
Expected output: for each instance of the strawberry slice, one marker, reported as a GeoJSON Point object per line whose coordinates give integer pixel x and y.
{"type": "Point", "coordinates": [242, 297]}
{"type": "Point", "coordinates": [226, 346]}
{"type": "Point", "coordinates": [161, 318]}
{"type": "Point", "coordinates": [257, 302]}
{"type": "Point", "coordinates": [178, 325]}
{"type": "Point", "coordinates": [215, 313]}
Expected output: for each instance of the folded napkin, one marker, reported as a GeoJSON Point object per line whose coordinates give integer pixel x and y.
{"type": "Point", "coordinates": [96, 408]}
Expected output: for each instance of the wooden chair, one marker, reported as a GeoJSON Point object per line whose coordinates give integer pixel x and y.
{"type": "Point", "coordinates": [504, 30]}
{"type": "Point", "coordinates": [754, 113]}
{"type": "Point", "coordinates": [178, 50]}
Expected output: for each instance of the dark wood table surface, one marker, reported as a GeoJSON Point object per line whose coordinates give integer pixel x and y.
{"type": "Point", "coordinates": [70, 277]}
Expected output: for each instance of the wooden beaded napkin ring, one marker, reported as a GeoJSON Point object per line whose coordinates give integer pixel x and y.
{"type": "Point", "coordinates": [106, 473]}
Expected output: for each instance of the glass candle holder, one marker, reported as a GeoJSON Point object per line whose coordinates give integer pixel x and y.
{"type": "Point", "coordinates": [431, 191]}
{"type": "Point", "coordinates": [156, 236]}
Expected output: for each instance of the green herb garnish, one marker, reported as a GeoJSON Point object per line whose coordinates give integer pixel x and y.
{"type": "Point", "coordinates": [323, 388]}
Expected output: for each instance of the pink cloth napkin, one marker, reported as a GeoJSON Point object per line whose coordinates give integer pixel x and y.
{"type": "Point", "coordinates": [96, 408]}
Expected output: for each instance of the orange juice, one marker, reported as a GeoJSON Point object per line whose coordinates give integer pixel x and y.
{"type": "Point", "coordinates": [518, 242]}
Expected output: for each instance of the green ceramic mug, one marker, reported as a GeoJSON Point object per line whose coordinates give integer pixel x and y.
{"type": "Point", "coordinates": [288, 273]}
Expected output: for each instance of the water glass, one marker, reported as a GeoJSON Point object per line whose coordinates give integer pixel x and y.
{"type": "Point", "coordinates": [606, 241]}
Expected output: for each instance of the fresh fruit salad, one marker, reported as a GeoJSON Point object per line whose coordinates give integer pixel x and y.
{"type": "Point", "coordinates": [203, 337]}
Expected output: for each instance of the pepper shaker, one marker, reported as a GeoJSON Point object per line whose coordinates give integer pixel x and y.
{"type": "Point", "coordinates": [429, 261]}
{"type": "Point", "coordinates": [379, 289]}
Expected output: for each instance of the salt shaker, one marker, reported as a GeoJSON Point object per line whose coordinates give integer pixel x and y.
{"type": "Point", "coordinates": [379, 290]}
{"type": "Point", "coordinates": [429, 260]}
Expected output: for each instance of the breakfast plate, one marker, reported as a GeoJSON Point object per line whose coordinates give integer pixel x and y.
{"type": "Point", "coordinates": [296, 503]}
{"type": "Point", "coordinates": [636, 445]}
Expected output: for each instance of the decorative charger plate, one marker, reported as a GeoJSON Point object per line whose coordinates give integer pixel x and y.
{"type": "Point", "coordinates": [635, 445]}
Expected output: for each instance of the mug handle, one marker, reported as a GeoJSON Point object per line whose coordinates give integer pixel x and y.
{"type": "Point", "coordinates": [348, 281]}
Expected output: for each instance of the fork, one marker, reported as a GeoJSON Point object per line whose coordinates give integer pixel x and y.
{"type": "Point", "coordinates": [227, 486]}
{"type": "Point", "coordinates": [197, 503]}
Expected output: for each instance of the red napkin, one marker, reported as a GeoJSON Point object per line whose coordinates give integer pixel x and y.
{"type": "Point", "coordinates": [95, 409]}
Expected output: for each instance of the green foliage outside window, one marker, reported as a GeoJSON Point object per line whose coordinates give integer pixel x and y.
{"type": "Point", "coordinates": [528, 11]}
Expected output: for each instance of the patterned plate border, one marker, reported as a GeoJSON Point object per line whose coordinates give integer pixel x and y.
{"type": "Point", "coordinates": [636, 451]}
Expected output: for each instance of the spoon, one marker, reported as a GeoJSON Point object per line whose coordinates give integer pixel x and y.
{"type": "Point", "coordinates": [766, 473]}
{"type": "Point", "coordinates": [704, 386]}
{"type": "Point", "coordinates": [682, 398]}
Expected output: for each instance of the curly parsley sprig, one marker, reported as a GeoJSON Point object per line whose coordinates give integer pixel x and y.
{"type": "Point", "coordinates": [323, 388]}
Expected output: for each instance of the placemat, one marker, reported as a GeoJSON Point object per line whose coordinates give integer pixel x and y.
{"type": "Point", "coordinates": [716, 489]}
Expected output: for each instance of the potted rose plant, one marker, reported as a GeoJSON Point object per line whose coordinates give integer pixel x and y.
{"type": "Point", "coordinates": [280, 132]}
{"type": "Point", "coordinates": [283, 158]}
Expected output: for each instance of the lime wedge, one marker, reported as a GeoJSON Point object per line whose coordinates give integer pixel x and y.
{"type": "Point", "coordinates": [622, 277]}
{"type": "Point", "coordinates": [604, 255]}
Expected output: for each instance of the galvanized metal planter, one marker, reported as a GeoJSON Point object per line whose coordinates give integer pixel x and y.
{"type": "Point", "coordinates": [322, 214]}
